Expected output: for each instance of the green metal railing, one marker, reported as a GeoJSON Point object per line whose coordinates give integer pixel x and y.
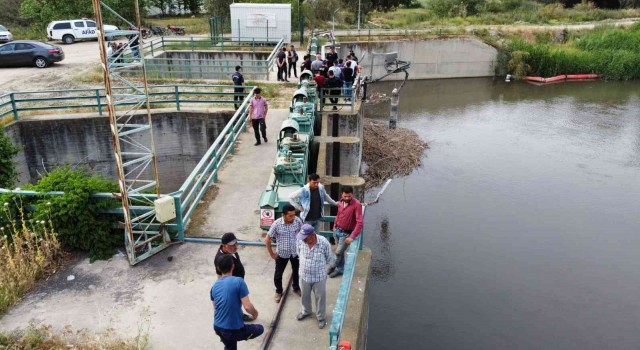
{"type": "Point", "coordinates": [94, 100]}
{"type": "Point", "coordinates": [340, 308]}
{"type": "Point", "coordinates": [202, 176]}
{"type": "Point", "coordinates": [158, 64]}
{"type": "Point", "coordinates": [206, 171]}
{"type": "Point", "coordinates": [342, 97]}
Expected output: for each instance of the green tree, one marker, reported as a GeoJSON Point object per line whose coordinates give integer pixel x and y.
{"type": "Point", "coordinates": [41, 12]}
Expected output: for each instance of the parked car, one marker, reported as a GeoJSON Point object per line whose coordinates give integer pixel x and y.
{"type": "Point", "coordinates": [5, 34]}
{"type": "Point", "coordinates": [29, 53]}
{"type": "Point", "coordinates": [76, 29]}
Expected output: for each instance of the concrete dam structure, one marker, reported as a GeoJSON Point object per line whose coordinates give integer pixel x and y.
{"type": "Point", "coordinates": [436, 58]}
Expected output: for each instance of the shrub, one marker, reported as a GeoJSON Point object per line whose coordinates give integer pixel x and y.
{"type": "Point", "coordinates": [75, 216]}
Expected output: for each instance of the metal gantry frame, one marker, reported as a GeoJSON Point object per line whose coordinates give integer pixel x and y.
{"type": "Point", "coordinates": [130, 119]}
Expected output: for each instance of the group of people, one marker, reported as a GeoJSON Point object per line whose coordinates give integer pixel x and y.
{"type": "Point", "coordinates": [333, 73]}
{"type": "Point", "coordinates": [286, 62]}
{"type": "Point", "coordinates": [115, 50]}
{"type": "Point", "coordinates": [297, 242]}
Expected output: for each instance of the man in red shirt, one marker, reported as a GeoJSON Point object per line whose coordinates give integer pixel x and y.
{"type": "Point", "coordinates": [347, 227]}
{"type": "Point", "coordinates": [319, 79]}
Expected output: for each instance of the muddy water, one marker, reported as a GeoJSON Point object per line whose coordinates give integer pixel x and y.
{"type": "Point", "coordinates": [522, 230]}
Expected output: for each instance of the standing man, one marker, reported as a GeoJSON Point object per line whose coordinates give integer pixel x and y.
{"type": "Point", "coordinates": [309, 200]}
{"type": "Point", "coordinates": [335, 85]}
{"type": "Point", "coordinates": [332, 56]}
{"type": "Point", "coordinates": [228, 294]}
{"type": "Point", "coordinates": [292, 59]}
{"type": "Point", "coordinates": [319, 79]}
{"type": "Point", "coordinates": [317, 64]}
{"type": "Point", "coordinates": [258, 115]}
{"type": "Point", "coordinates": [229, 246]}
{"type": "Point", "coordinates": [347, 79]}
{"type": "Point", "coordinates": [281, 61]}
{"type": "Point", "coordinates": [315, 253]}
{"type": "Point", "coordinates": [238, 81]}
{"type": "Point", "coordinates": [284, 230]}
{"type": "Point", "coordinates": [306, 65]}
{"type": "Point", "coordinates": [346, 228]}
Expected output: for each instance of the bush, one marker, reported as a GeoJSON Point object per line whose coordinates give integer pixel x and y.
{"type": "Point", "coordinates": [75, 216]}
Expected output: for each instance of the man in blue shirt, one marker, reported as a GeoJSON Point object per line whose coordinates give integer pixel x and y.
{"type": "Point", "coordinates": [228, 294]}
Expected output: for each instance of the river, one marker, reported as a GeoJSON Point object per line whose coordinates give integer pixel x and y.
{"type": "Point", "coordinates": [522, 228]}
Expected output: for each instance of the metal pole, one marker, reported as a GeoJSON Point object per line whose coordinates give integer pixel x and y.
{"type": "Point", "coordinates": [359, 9]}
{"type": "Point", "coordinates": [393, 116]}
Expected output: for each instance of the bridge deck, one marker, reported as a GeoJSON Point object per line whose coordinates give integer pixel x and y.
{"type": "Point", "coordinates": [167, 299]}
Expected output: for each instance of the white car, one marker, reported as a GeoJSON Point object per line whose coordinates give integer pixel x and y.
{"type": "Point", "coordinates": [5, 35]}
{"type": "Point", "coordinates": [75, 29]}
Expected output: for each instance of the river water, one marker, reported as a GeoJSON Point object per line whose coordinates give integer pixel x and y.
{"type": "Point", "coordinates": [522, 228]}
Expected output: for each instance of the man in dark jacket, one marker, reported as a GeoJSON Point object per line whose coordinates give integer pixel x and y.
{"type": "Point", "coordinates": [331, 56]}
{"type": "Point", "coordinates": [238, 81]}
{"type": "Point", "coordinates": [229, 246]}
{"type": "Point", "coordinates": [335, 84]}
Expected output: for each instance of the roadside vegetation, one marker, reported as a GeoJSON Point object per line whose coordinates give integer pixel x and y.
{"type": "Point", "coordinates": [611, 52]}
{"type": "Point", "coordinates": [475, 12]}
{"type": "Point", "coordinates": [45, 338]}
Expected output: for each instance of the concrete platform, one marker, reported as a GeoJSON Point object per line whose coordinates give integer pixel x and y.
{"type": "Point", "coordinates": [167, 297]}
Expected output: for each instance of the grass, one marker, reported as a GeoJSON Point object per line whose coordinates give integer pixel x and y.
{"type": "Point", "coordinates": [28, 250]}
{"type": "Point", "coordinates": [520, 12]}
{"type": "Point", "coordinates": [613, 53]}
{"type": "Point", "coordinates": [44, 338]}
{"type": "Point", "coordinates": [193, 25]}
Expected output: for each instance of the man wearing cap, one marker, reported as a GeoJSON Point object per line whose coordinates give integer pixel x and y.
{"type": "Point", "coordinates": [230, 246]}
{"type": "Point", "coordinates": [315, 253]}
{"type": "Point", "coordinates": [346, 228]}
{"type": "Point", "coordinates": [309, 200]}
{"type": "Point", "coordinates": [284, 230]}
{"type": "Point", "coordinates": [228, 294]}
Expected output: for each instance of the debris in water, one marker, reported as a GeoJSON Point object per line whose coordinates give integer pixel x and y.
{"type": "Point", "coordinates": [389, 152]}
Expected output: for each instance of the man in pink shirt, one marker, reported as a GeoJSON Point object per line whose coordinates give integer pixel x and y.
{"type": "Point", "coordinates": [258, 115]}
{"type": "Point", "coordinates": [346, 228]}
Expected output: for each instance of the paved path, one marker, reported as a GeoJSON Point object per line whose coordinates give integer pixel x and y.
{"type": "Point", "coordinates": [168, 299]}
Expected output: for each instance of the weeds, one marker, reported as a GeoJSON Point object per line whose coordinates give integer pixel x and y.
{"type": "Point", "coordinates": [28, 250]}
{"type": "Point", "coordinates": [45, 338]}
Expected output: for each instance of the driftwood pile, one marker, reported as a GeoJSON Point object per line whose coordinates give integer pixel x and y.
{"type": "Point", "coordinates": [389, 152]}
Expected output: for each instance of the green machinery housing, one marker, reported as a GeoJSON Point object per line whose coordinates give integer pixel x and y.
{"type": "Point", "coordinates": [294, 145]}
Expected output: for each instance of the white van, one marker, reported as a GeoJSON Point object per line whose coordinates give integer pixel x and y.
{"type": "Point", "coordinates": [76, 29]}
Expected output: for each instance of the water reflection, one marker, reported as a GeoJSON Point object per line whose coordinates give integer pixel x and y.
{"type": "Point", "coordinates": [521, 231]}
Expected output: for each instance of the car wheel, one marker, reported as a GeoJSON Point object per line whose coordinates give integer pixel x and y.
{"type": "Point", "coordinates": [41, 62]}
{"type": "Point", "coordinates": [68, 39]}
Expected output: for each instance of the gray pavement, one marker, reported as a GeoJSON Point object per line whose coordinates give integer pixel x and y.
{"type": "Point", "coordinates": [167, 300]}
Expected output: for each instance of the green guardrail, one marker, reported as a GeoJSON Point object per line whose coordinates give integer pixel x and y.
{"type": "Point", "coordinates": [342, 97]}
{"type": "Point", "coordinates": [187, 69]}
{"type": "Point", "coordinates": [16, 103]}
{"type": "Point", "coordinates": [340, 308]}
{"type": "Point", "coordinates": [205, 172]}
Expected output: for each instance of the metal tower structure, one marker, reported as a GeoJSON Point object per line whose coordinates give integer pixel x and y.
{"type": "Point", "coordinates": [132, 134]}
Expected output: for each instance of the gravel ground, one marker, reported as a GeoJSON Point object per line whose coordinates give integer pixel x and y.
{"type": "Point", "coordinates": [79, 59]}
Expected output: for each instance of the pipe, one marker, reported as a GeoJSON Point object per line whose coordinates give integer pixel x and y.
{"type": "Point", "coordinates": [218, 241]}
{"type": "Point", "coordinates": [276, 319]}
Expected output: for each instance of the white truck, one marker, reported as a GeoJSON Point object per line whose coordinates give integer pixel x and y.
{"type": "Point", "coordinates": [76, 29]}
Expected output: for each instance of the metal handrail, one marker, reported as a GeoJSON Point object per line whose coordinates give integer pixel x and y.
{"type": "Point", "coordinates": [340, 308]}
{"type": "Point", "coordinates": [206, 171]}
{"type": "Point", "coordinates": [177, 94]}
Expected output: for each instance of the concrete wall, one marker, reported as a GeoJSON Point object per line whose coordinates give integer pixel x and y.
{"type": "Point", "coordinates": [181, 140]}
{"type": "Point", "coordinates": [208, 65]}
{"type": "Point", "coordinates": [430, 59]}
